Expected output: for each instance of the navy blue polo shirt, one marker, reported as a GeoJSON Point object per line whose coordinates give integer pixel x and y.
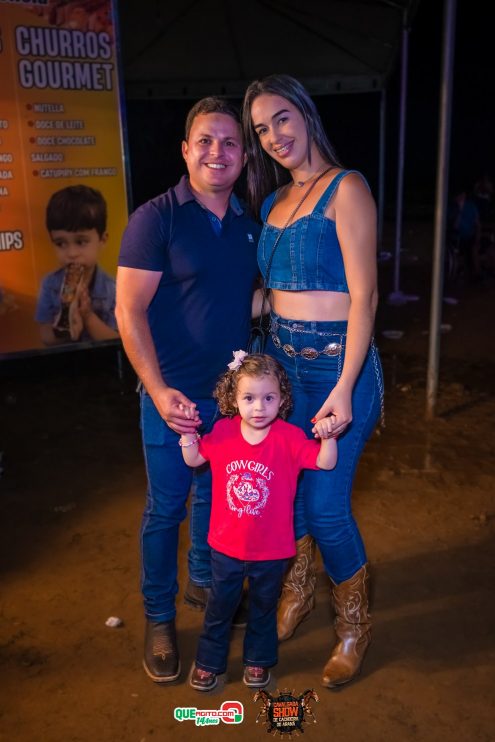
{"type": "Point", "coordinates": [201, 311]}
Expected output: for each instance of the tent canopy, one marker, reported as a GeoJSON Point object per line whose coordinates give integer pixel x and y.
{"type": "Point", "coordinates": [193, 48]}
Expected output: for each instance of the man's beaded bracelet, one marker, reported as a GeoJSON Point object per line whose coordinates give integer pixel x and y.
{"type": "Point", "coordinates": [191, 443]}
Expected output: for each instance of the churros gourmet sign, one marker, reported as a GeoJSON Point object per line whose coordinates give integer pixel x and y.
{"type": "Point", "coordinates": [60, 127]}
{"type": "Point", "coordinates": [64, 59]}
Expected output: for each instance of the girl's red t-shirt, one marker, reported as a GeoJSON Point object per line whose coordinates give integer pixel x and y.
{"type": "Point", "coordinates": [254, 488]}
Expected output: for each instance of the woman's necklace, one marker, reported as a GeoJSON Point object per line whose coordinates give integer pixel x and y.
{"type": "Point", "coordinates": [301, 183]}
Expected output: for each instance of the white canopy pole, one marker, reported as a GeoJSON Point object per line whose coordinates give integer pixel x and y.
{"type": "Point", "coordinates": [441, 204]}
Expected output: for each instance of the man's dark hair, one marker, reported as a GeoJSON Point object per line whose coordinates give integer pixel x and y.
{"type": "Point", "coordinates": [75, 208]}
{"type": "Point", "coordinates": [212, 104]}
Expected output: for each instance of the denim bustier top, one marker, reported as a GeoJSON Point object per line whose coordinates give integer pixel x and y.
{"type": "Point", "coordinates": [308, 255]}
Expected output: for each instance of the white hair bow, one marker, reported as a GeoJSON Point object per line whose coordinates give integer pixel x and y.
{"type": "Point", "coordinates": [239, 356]}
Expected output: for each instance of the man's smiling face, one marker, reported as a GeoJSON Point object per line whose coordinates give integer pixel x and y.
{"type": "Point", "coordinates": [214, 152]}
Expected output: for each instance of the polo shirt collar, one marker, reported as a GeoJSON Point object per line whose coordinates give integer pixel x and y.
{"type": "Point", "coordinates": [184, 194]}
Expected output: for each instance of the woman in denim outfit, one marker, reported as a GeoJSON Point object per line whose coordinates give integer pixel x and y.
{"type": "Point", "coordinates": [323, 281]}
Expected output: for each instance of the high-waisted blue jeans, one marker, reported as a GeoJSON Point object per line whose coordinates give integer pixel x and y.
{"type": "Point", "coordinates": [169, 483]}
{"type": "Point", "coordinates": [323, 500]}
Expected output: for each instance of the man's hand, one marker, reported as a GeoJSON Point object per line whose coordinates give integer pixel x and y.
{"type": "Point", "coordinates": [177, 410]}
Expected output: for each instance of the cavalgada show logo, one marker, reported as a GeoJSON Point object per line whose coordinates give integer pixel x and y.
{"type": "Point", "coordinates": [286, 713]}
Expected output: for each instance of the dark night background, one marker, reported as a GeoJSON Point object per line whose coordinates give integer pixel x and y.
{"type": "Point", "coordinates": [155, 128]}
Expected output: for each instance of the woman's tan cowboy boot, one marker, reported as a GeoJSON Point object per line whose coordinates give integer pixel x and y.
{"type": "Point", "coordinates": [353, 628]}
{"type": "Point", "coordinates": [298, 590]}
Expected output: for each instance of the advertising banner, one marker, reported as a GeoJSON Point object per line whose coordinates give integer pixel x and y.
{"type": "Point", "coordinates": [63, 199]}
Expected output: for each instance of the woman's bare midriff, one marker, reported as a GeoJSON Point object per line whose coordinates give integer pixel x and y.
{"type": "Point", "coordinates": [311, 306]}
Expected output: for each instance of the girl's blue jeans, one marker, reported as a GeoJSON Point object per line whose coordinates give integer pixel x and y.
{"type": "Point", "coordinates": [169, 483]}
{"type": "Point", "coordinates": [323, 500]}
{"type": "Point", "coordinates": [260, 640]}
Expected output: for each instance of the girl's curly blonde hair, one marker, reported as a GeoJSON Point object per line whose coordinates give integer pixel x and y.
{"type": "Point", "coordinates": [256, 364]}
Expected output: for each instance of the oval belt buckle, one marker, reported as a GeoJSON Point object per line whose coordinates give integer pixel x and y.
{"type": "Point", "coordinates": [289, 350]}
{"type": "Point", "coordinates": [332, 349]}
{"type": "Point", "coordinates": [309, 353]}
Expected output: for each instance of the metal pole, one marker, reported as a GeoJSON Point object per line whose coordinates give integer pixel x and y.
{"type": "Point", "coordinates": [441, 204]}
{"type": "Point", "coordinates": [381, 165]}
{"type": "Point", "coordinates": [402, 142]}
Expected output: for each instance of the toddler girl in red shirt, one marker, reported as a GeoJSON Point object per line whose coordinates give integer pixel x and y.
{"type": "Point", "coordinates": [255, 458]}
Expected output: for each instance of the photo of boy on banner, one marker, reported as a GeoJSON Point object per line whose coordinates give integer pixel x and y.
{"type": "Point", "coordinates": [77, 301]}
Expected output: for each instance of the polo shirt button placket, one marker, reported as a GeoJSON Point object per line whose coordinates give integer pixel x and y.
{"type": "Point", "coordinates": [216, 224]}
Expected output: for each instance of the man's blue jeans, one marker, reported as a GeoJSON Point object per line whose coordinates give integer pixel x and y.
{"type": "Point", "coordinates": [260, 640]}
{"type": "Point", "coordinates": [323, 502]}
{"type": "Point", "coordinates": [169, 483]}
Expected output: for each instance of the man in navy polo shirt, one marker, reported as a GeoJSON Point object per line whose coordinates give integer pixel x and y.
{"type": "Point", "coordinates": [187, 269]}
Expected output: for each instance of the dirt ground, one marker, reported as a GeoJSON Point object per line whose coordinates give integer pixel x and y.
{"type": "Point", "coordinates": [72, 493]}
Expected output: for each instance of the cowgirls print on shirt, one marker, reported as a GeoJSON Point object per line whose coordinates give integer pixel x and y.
{"type": "Point", "coordinates": [247, 490]}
